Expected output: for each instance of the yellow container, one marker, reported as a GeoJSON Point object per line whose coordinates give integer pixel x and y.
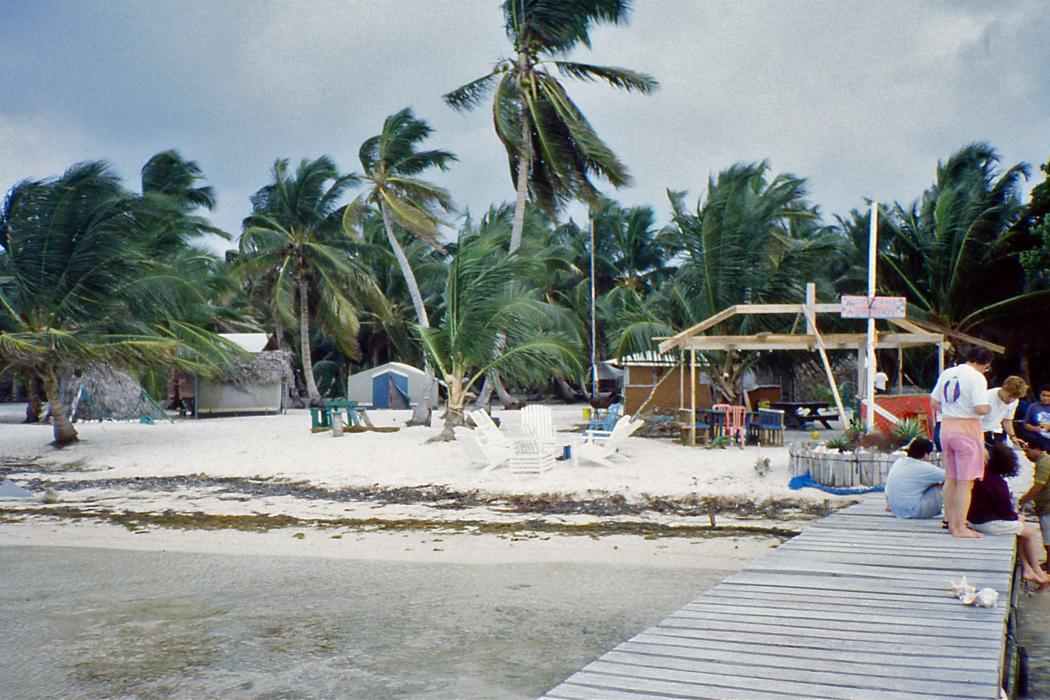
{"type": "Point", "coordinates": [587, 413]}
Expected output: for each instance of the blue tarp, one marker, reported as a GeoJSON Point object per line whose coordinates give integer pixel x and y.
{"type": "Point", "coordinates": [805, 480]}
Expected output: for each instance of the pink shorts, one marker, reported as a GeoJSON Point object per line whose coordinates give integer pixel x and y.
{"type": "Point", "coordinates": [963, 457]}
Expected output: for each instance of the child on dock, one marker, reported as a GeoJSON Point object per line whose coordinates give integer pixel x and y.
{"type": "Point", "coordinates": [913, 486]}
{"type": "Point", "coordinates": [992, 510]}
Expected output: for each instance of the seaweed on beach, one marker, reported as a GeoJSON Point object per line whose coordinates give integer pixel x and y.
{"type": "Point", "coordinates": [601, 504]}
{"type": "Point", "coordinates": [139, 521]}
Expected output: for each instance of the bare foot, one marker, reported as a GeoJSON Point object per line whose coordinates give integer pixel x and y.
{"type": "Point", "coordinates": [1033, 576]}
{"type": "Point", "coordinates": [965, 533]}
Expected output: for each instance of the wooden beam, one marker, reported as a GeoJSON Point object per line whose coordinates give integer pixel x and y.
{"type": "Point", "coordinates": [811, 319]}
{"type": "Point", "coordinates": [832, 341]}
{"type": "Point", "coordinates": [930, 326]}
{"type": "Point", "coordinates": [676, 340]}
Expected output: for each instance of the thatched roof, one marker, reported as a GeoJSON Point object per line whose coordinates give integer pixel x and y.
{"type": "Point", "coordinates": [267, 367]}
{"type": "Point", "coordinates": [109, 394]}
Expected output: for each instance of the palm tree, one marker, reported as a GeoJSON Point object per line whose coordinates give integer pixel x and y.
{"type": "Point", "coordinates": [552, 149]}
{"type": "Point", "coordinates": [753, 240]}
{"type": "Point", "coordinates": [391, 163]}
{"type": "Point", "coordinates": [294, 238]}
{"type": "Point", "coordinates": [487, 295]}
{"type": "Point", "coordinates": [80, 283]}
{"type": "Point", "coordinates": [956, 231]}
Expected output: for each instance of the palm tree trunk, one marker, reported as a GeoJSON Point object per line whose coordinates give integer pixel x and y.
{"type": "Point", "coordinates": [304, 344]}
{"type": "Point", "coordinates": [522, 184]}
{"type": "Point", "coordinates": [453, 410]}
{"type": "Point", "coordinates": [34, 404]}
{"type": "Point", "coordinates": [61, 427]}
{"type": "Point", "coordinates": [428, 399]}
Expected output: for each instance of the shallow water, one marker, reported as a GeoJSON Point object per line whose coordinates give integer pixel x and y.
{"type": "Point", "coordinates": [82, 623]}
{"type": "Point", "coordinates": [1035, 638]}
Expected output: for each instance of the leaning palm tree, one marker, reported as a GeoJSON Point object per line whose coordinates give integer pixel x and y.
{"type": "Point", "coordinates": [294, 239]}
{"type": "Point", "coordinates": [391, 161]}
{"type": "Point", "coordinates": [80, 283]}
{"type": "Point", "coordinates": [552, 148]}
{"type": "Point", "coordinates": [487, 295]}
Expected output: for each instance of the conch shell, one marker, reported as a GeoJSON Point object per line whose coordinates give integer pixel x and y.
{"type": "Point", "coordinates": [962, 589]}
{"type": "Point", "coordinates": [969, 595]}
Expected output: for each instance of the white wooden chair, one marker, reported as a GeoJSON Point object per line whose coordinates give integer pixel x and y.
{"type": "Point", "coordinates": [600, 452]}
{"type": "Point", "coordinates": [531, 457]}
{"type": "Point", "coordinates": [537, 424]}
{"type": "Point", "coordinates": [487, 455]}
{"type": "Point", "coordinates": [487, 431]}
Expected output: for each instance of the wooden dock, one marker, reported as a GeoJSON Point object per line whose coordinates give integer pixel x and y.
{"type": "Point", "coordinates": [857, 606]}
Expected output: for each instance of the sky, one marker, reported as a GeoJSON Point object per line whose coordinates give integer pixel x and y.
{"type": "Point", "coordinates": [862, 98]}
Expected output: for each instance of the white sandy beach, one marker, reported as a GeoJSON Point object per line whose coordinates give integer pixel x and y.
{"type": "Point", "coordinates": [282, 449]}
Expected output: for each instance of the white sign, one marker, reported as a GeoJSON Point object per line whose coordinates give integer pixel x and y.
{"type": "Point", "coordinates": [873, 307]}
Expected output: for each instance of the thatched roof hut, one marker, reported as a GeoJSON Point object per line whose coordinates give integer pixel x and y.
{"type": "Point", "coordinates": [104, 392]}
{"type": "Point", "coordinates": [253, 384]}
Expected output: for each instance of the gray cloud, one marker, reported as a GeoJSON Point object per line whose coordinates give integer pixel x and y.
{"type": "Point", "coordinates": [861, 98]}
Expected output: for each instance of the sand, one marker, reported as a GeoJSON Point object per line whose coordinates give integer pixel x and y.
{"type": "Point", "coordinates": [282, 449]}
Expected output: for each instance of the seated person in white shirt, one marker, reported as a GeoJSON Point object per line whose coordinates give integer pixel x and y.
{"type": "Point", "coordinates": [913, 486]}
{"type": "Point", "coordinates": [998, 424]}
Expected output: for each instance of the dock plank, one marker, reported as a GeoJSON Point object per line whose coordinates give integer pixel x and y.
{"type": "Point", "coordinates": [855, 606]}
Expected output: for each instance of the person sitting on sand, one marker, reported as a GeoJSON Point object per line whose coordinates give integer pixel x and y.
{"type": "Point", "coordinates": [913, 486]}
{"type": "Point", "coordinates": [992, 510]}
{"type": "Point", "coordinates": [1039, 494]}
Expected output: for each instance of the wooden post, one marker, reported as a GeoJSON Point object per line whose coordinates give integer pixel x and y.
{"type": "Point", "coordinates": [900, 369]}
{"type": "Point", "coordinates": [940, 358]}
{"type": "Point", "coordinates": [692, 397]}
{"type": "Point", "coordinates": [811, 322]}
{"type": "Point", "coordinates": [811, 300]}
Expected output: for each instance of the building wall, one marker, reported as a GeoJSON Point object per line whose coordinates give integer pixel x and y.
{"type": "Point", "coordinates": [223, 397]}
{"type": "Point", "coordinates": [639, 381]}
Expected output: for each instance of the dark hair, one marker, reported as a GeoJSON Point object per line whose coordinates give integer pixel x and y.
{"type": "Point", "coordinates": [1002, 460]}
{"type": "Point", "coordinates": [979, 356]}
{"type": "Point", "coordinates": [1044, 387]}
{"type": "Point", "coordinates": [919, 448]}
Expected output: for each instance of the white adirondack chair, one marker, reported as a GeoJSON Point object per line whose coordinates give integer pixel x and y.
{"type": "Point", "coordinates": [487, 455]}
{"type": "Point", "coordinates": [599, 453]}
{"type": "Point", "coordinates": [531, 457]}
{"type": "Point", "coordinates": [487, 431]}
{"type": "Point", "coordinates": [537, 424]}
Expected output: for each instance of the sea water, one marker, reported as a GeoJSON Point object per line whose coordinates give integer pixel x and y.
{"type": "Point", "coordinates": [96, 623]}
{"type": "Point", "coordinates": [1035, 638]}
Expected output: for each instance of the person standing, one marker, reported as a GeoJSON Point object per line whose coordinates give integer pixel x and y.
{"type": "Point", "coordinates": [1037, 419]}
{"type": "Point", "coordinates": [960, 397]}
{"type": "Point", "coordinates": [998, 423]}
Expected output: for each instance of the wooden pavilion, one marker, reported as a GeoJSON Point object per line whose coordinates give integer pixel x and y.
{"type": "Point", "coordinates": [902, 334]}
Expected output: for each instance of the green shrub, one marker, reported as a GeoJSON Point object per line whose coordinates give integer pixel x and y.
{"type": "Point", "coordinates": [842, 443]}
{"type": "Point", "coordinates": [907, 430]}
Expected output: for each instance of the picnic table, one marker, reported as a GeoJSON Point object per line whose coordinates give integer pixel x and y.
{"type": "Point", "coordinates": [798, 413]}
{"type": "Point", "coordinates": [321, 416]}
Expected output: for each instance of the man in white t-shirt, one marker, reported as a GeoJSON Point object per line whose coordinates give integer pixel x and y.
{"type": "Point", "coordinates": [998, 423]}
{"type": "Point", "coordinates": [961, 398]}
